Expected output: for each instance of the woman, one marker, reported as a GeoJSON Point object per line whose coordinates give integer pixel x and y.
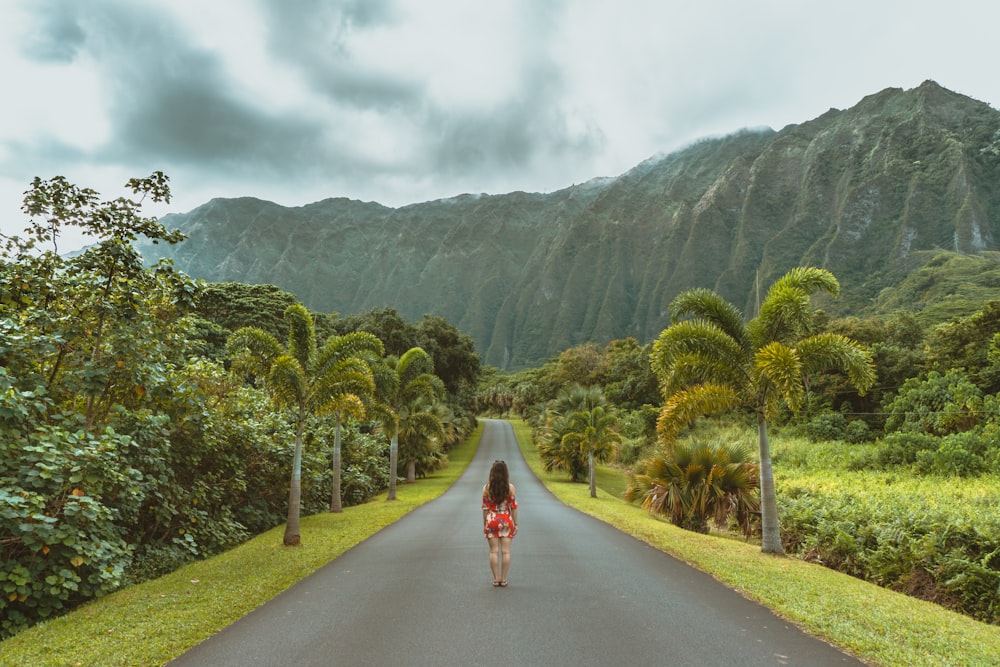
{"type": "Point", "coordinates": [499, 520]}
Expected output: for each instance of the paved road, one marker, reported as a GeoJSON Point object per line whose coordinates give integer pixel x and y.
{"type": "Point", "coordinates": [581, 593]}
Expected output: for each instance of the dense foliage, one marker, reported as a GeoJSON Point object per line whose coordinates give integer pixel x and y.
{"type": "Point", "coordinates": [129, 445]}
{"type": "Point", "coordinates": [896, 487]}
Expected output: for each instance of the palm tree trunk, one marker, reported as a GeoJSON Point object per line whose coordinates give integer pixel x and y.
{"type": "Point", "coordinates": [335, 503]}
{"type": "Point", "coordinates": [292, 537]}
{"type": "Point", "coordinates": [770, 528]}
{"type": "Point", "coordinates": [411, 471]}
{"type": "Point", "coordinates": [593, 485]}
{"type": "Point", "coordinates": [393, 462]}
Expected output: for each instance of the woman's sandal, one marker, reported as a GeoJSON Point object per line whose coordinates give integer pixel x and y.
{"type": "Point", "coordinates": [497, 583]}
{"type": "Point", "coordinates": [503, 584]}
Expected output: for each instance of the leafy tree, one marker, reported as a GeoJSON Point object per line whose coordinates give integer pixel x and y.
{"type": "Point", "coordinates": [964, 342]}
{"type": "Point", "coordinates": [630, 382]}
{"type": "Point", "coordinates": [583, 365]}
{"type": "Point", "coordinates": [453, 352]}
{"type": "Point", "coordinates": [396, 334]}
{"type": "Point", "coordinates": [236, 305]}
{"type": "Point", "coordinates": [88, 347]}
{"type": "Point", "coordinates": [939, 404]}
{"type": "Point", "coordinates": [715, 362]}
{"type": "Point", "coordinates": [593, 433]}
{"type": "Point", "coordinates": [692, 483]}
{"type": "Point", "coordinates": [305, 380]}
{"type": "Point", "coordinates": [400, 381]}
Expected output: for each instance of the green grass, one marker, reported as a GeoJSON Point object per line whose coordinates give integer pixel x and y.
{"type": "Point", "coordinates": [153, 622]}
{"type": "Point", "coordinates": [879, 626]}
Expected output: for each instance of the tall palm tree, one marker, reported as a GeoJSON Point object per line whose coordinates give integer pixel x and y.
{"type": "Point", "coordinates": [343, 352]}
{"type": "Point", "coordinates": [715, 361]}
{"type": "Point", "coordinates": [594, 432]}
{"type": "Point", "coordinates": [399, 382]}
{"type": "Point", "coordinates": [305, 380]}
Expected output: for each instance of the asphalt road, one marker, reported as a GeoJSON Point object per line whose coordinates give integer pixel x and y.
{"type": "Point", "coordinates": [580, 593]}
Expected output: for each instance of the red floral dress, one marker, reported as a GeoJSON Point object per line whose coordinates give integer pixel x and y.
{"type": "Point", "coordinates": [498, 521]}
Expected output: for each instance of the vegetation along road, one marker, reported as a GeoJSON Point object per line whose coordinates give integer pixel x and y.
{"type": "Point", "coordinates": [580, 593]}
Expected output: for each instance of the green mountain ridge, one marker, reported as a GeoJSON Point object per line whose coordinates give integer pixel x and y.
{"type": "Point", "coordinates": [869, 193]}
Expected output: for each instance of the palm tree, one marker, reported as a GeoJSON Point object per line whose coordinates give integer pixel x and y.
{"type": "Point", "coordinates": [691, 483]}
{"type": "Point", "coordinates": [554, 454]}
{"type": "Point", "coordinates": [716, 362]}
{"type": "Point", "coordinates": [421, 433]}
{"type": "Point", "coordinates": [399, 382]}
{"type": "Point", "coordinates": [594, 432]}
{"type": "Point", "coordinates": [344, 351]}
{"type": "Point", "coordinates": [305, 380]}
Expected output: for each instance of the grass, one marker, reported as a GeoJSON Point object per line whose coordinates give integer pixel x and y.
{"type": "Point", "coordinates": [879, 626]}
{"type": "Point", "coordinates": [153, 622]}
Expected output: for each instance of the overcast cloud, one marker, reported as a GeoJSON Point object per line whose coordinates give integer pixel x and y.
{"type": "Point", "coordinates": [403, 101]}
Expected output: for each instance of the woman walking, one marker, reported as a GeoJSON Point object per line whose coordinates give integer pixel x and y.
{"type": "Point", "coordinates": [499, 520]}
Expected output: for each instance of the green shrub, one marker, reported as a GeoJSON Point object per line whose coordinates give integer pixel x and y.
{"type": "Point", "coordinates": [827, 426]}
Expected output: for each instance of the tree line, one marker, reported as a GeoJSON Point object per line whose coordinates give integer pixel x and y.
{"type": "Point", "coordinates": [148, 419]}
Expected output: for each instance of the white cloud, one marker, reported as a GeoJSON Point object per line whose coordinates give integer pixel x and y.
{"type": "Point", "coordinates": [401, 101]}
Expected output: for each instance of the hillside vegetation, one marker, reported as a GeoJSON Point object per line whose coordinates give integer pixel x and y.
{"type": "Point", "coordinates": [869, 193]}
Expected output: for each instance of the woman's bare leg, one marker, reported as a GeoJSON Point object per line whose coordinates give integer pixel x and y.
{"type": "Point", "coordinates": [505, 559]}
{"type": "Point", "coordinates": [495, 558]}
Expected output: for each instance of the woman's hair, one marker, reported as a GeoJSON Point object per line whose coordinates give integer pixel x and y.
{"type": "Point", "coordinates": [498, 487]}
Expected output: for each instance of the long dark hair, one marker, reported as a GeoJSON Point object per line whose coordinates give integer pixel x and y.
{"type": "Point", "coordinates": [498, 488]}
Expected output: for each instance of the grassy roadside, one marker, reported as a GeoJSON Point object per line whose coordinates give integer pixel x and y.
{"type": "Point", "coordinates": [154, 622]}
{"type": "Point", "coordinates": [877, 625]}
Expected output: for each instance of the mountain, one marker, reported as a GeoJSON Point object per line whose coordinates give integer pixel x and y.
{"type": "Point", "coordinates": [864, 192]}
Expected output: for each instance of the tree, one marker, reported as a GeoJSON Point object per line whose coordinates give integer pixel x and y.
{"type": "Point", "coordinates": [344, 352]}
{"type": "Point", "coordinates": [715, 362]}
{"type": "Point", "coordinates": [305, 380]}
{"type": "Point", "coordinates": [399, 382]}
{"type": "Point", "coordinates": [554, 450]}
{"type": "Point", "coordinates": [453, 352]}
{"type": "Point", "coordinates": [593, 432]}
{"type": "Point", "coordinates": [421, 433]}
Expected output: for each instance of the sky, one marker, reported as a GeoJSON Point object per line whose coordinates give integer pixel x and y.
{"type": "Point", "coordinates": [406, 101]}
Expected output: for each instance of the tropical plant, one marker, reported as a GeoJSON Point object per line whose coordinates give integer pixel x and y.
{"type": "Point", "coordinates": [344, 352]}
{"type": "Point", "coordinates": [554, 452]}
{"type": "Point", "coordinates": [306, 380]}
{"type": "Point", "coordinates": [399, 382]}
{"type": "Point", "coordinates": [692, 483]}
{"type": "Point", "coordinates": [715, 362]}
{"type": "Point", "coordinates": [592, 433]}
{"type": "Point", "coordinates": [421, 434]}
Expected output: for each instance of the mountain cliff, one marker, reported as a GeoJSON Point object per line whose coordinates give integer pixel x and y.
{"type": "Point", "coordinates": [859, 192]}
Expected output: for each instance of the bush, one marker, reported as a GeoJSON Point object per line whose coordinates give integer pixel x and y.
{"type": "Point", "coordinates": [937, 541]}
{"type": "Point", "coordinates": [827, 426]}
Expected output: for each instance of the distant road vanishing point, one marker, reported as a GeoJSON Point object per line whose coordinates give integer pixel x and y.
{"type": "Point", "coordinates": [581, 593]}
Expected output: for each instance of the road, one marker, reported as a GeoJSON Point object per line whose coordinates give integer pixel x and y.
{"type": "Point", "coordinates": [580, 593]}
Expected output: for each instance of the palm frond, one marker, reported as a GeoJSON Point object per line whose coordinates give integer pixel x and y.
{"type": "Point", "coordinates": [785, 314]}
{"type": "Point", "coordinates": [357, 344]}
{"type": "Point", "coordinates": [684, 406]}
{"type": "Point", "coordinates": [781, 367]}
{"type": "Point", "coordinates": [301, 334]}
{"type": "Point", "coordinates": [414, 363]}
{"type": "Point", "coordinates": [833, 351]}
{"type": "Point", "coordinates": [253, 350]}
{"type": "Point", "coordinates": [695, 336]}
{"type": "Point", "coordinates": [288, 382]}
{"type": "Point", "coordinates": [708, 305]}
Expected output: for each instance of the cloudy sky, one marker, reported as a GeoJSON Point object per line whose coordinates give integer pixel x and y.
{"type": "Point", "coordinates": [403, 101]}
